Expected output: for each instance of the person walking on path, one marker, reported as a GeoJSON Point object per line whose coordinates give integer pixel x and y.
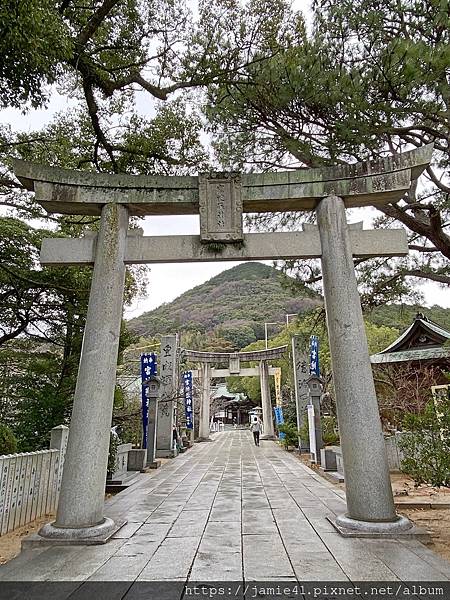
{"type": "Point", "coordinates": [255, 428]}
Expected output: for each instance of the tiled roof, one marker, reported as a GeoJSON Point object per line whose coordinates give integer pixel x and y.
{"type": "Point", "coordinates": [418, 322]}
{"type": "Point", "coordinates": [408, 355]}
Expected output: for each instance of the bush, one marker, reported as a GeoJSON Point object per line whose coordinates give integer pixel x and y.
{"type": "Point", "coordinates": [426, 445]}
{"type": "Point", "coordinates": [330, 433]}
{"type": "Point", "coordinates": [8, 442]}
{"type": "Point", "coordinates": [113, 444]}
{"type": "Point", "coordinates": [291, 434]}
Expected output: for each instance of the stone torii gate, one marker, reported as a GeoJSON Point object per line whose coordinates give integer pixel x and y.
{"type": "Point", "coordinates": [220, 200]}
{"type": "Point", "coordinates": [206, 373]}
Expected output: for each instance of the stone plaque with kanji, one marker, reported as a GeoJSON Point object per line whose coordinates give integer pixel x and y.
{"type": "Point", "coordinates": [220, 208]}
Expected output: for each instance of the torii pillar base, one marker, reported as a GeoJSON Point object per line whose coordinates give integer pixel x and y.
{"type": "Point", "coordinates": [348, 527]}
{"type": "Point", "coordinates": [49, 535]}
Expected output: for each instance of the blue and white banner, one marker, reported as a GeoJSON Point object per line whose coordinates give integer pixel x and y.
{"type": "Point", "coordinates": [149, 369]}
{"type": "Point", "coordinates": [314, 368]}
{"type": "Point", "coordinates": [188, 402]}
{"type": "Point", "coordinates": [279, 420]}
{"type": "Point", "coordinates": [148, 366]}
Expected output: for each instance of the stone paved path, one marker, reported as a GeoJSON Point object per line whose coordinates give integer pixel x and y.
{"type": "Point", "coordinates": [230, 511]}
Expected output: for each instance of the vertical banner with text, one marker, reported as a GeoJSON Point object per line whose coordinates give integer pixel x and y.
{"type": "Point", "coordinates": [277, 378]}
{"type": "Point", "coordinates": [148, 369]}
{"type": "Point", "coordinates": [279, 420]}
{"type": "Point", "coordinates": [314, 367]}
{"type": "Point", "coordinates": [188, 408]}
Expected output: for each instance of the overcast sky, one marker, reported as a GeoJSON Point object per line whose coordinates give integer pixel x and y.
{"type": "Point", "coordinates": [167, 282]}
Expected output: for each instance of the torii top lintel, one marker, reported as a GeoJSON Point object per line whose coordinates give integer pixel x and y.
{"type": "Point", "coordinates": [218, 357]}
{"type": "Point", "coordinates": [360, 184]}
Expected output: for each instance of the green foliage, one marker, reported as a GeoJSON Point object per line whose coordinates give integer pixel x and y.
{"type": "Point", "coordinates": [8, 442]}
{"type": "Point", "coordinates": [304, 430]}
{"type": "Point", "coordinates": [112, 454]}
{"type": "Point", "coordinates": [33, 42]}
{"type": "Point", "coordinates": [330, 432]}
{"type": "Point", "coordinates": [400, 316]}
{"type": "Point", "coordinates": [291, 434]}
{"type": "Point", "coordinates": [426, 445]}
{"type": "Point", "coordinates": [249, 386]}
{"type": "Point", "coordinates": [42, 316]}
{"type": "Point", "coordinates": [369, 79]}
{"type": "Point", "coordinates": [379, 337]}
{"type": "Point", "coordinates": [238, 335]}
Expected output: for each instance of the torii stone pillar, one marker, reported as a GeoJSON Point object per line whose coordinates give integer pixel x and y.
{"type": "Point", "coordinates": [205, 393]}
{"type": "Point", "coordinates": [81, 500]}
{"type": "Point", "coordinates": [266, 401]}
{"type": "Point", "coordinates": [370, 501]}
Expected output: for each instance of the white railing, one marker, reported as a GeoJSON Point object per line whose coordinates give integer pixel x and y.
{"type": "Point", "coordinates": [30, 482]}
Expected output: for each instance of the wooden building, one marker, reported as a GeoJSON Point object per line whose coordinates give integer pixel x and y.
{"type": "Point", "coordinates": [407, 372]}
{"type": "Point", "coordinates": [424, 343]}
{"type": "Point", "coordinates": [230, 408]}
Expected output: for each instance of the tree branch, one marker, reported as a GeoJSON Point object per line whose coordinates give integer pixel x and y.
{"type": "Point", "coordinates": [440, 278]}
{"type": "Point", "coordinates": [94, 22]}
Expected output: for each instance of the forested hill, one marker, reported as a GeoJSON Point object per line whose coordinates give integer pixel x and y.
{"type": "Point", "coordinates": [232, 306]}
{"type": "Point", "coordinates": [401, 316]}
{"type": "Point", "coordinates": [229, 311]}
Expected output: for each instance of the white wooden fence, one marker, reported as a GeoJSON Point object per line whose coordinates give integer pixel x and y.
{"type": "Point", "coordinates": [30, 482]}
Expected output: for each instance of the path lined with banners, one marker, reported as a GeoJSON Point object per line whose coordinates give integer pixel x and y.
{"type": "Point", "coordinates": [227, 511]}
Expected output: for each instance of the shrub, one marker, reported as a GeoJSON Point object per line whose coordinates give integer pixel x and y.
{"type": "Point", "coordinates": [330, 433]}
{"type": "Point", "coordinates": [291, 434]}
{"type": "Point", "coordinates": [113, 444]}
{"type": "Point", "coordinates": [8, 442]}
{"type": "Point", "coordinates": [426, 445]}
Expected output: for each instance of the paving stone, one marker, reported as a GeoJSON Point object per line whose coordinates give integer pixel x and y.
{"type": "Point", "coordinates": [46, 563]}
{"type": "Point", "coordinates": [127, 530]}
{"type": "Point", "coordinates": [257, 564]}
{"type": "Point", "coordinates": [317, 566]}
{"type": "Point", "coordinates": [163, 516]}
{"type": "Point", "coordinates": [258, 522]}
{"type": "Point", "coordinates": [190, 529]}
{"type": "Point", "coordinates": [428, 556]}
{"type": "Point", "coordinates": [356, 559]}
{"type": "Point", "coordinates": [121, 568]}
{"type": "Point", "coordinates": [298, 547]}
{"type": "Point", "coordinates": [403, 562]}
{"type": "Point", "coordinates": [214, 528]}
{"type": "Point", "coordinates": [172, 560]}
{"type": "Point", "coordinates": [215, 566]}
{"type": "Point", "coordinates": [21, 561]}
{"type": "Point", "coordinates": [139, 547]}
{"type": "Point", "coordinates": [225, 543]}
{"type": "Point", "coordinates": [219, 512]}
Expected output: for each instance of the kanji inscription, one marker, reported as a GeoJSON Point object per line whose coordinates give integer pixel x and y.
{"type": "Point", "coordinates": [220, 208]}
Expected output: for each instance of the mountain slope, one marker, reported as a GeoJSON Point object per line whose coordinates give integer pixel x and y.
{"type": "Point", "coordinates": [234, 305]}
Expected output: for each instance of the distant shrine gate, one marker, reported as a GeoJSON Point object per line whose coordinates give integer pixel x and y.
{"type": "Point", "coordinates": [206, 372]}
{"type": "Point", "coordinates": [221, 200]}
